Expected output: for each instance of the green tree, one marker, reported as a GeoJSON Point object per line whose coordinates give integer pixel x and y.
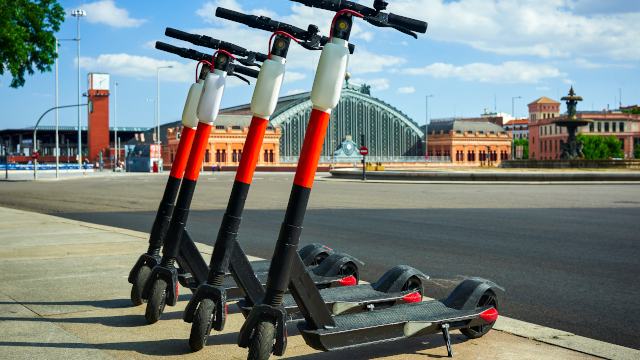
{"type": "Point", "coordinates": [635, 111]}
{"type": "Point", "coordinates": [636, 152]}
{"type": "Point", "coordinates": [600, 147]}
{"type": "Point", "coordinates": [26, 36]}
{"type": "Point", "coordinates": [525, 146]}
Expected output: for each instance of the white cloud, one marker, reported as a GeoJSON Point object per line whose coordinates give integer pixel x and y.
{"type": "Point", "coordinates": [376, 84]}
{"type": "Point", "coordinates": [150, 44]}
{"type": "Point", "coordinates": [586, 64]}
{"type": "Point", "coordinates": [295, 91]}
{"type": "Point", "coordinates": [293, 76]}
{"type": "Point", "coordinates": [106, 12]}
{"type": "Point", "coordinates": [543, 88]}
{"type": "Point", "coordinates": [568, 81]}
{"type": "Point", "coordinates": [545, 28]}
{"type": "Point", "coordinates": [511, 72]}
{"type": "Point", "coordinates": [406, 90]}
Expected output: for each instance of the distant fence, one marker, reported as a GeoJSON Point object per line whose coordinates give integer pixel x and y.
{"type": "Point", "coordinates": [373, 159]}
{"type": "Point", "coordinates": [45, 167]}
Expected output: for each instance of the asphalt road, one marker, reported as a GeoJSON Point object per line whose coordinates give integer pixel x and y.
{"type": "Point", "coordinates": [568, 255]}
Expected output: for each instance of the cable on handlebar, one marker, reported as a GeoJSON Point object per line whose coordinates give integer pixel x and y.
{"type": "Point", "coordinates": [345, 11]}
{"type": "Point", "coordinates": [198, 64]}
{"type": "Point", "coordinates": [279, 33]}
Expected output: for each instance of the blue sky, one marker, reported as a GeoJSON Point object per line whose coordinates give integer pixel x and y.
{"type": "Point", "coordinates": [474, 51]}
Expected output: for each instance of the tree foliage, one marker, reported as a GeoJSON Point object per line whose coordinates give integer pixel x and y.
{"type": "Point", "coordinates": [636, 152]}
{"type": "Point", "coordinates": [26, 36]}
{"type": "Point", "coordinates": [635, 111]}
{"type": "Point", "coordinates": [525, 146]}
{"type": "Point", "coordinates": [600, 147]}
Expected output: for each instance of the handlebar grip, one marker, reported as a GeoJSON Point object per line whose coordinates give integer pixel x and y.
{"type": "Point", "coordinates": [231, 15]}
{"type": "Point", "coordinates": [246, 71]}
{"type": "Point", "coordinates": [168, 48]}
{"type": "Point", "coordinates": [405, 22]}
{"type": "Point", "coordinates": [177, 34]}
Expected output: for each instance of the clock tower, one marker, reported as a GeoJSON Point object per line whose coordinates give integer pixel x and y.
{"type": "Point", "coordinates": [98, 108]}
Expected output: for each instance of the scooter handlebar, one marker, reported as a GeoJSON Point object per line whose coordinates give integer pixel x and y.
{"type": "Point", "coordinates": [408, 23]}
{"type": "Point", "coordinates": [206, 41]}
{"type": "Point", "coordinates": [393, 19]}
{"type": "Point", "coordinates": [182, 52]}
{"type": "Point", "coordinates": [246, 71]}
{"type": "Point", "coordinates": [265, 23]}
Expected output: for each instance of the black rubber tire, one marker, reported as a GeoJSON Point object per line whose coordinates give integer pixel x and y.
{"type": "Point", "coordinates": [319, 258]}
{"type": "Point", "coordinates": [201, 326]}
{"type": "Point", "coordinates": [348, 269]}
{"type": "Point", "coordinates": [487, 299]}
{"type": "Point", "coordinates": [261, 345]}
{"type": "Point", "coordinates": [157, 301]}
{"type": "Point", "coordinates": [412, 283]}
{"type": "Point", "coordinates": [138, 284]}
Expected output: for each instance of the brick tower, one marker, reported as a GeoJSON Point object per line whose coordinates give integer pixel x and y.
{"type": "Point", "coordinates": [98, 134]}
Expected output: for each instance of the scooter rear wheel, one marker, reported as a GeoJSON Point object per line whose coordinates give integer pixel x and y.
{"type": "Point", "coordinates": [157, 301]}
{"type": "Point", "coordinates": [264, 335]}
{"type": "Point", "coordinates": [350, 269]}
{"type": "Point", "coordinates": [489, 298]}
{"type": "Point", "coordinates": [201, 326]}
{"type": "Point", "coordinates": [138, 284]}
{"type": "Point", "coordinates": [414, 283]}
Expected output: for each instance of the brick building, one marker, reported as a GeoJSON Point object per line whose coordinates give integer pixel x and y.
{"type": "Point", "coordinates": [468, 142]}
{"type": "Point", "coordinates": [544, 136]}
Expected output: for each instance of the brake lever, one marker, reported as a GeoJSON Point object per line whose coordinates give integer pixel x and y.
{"type": "Point", "coordinates": [380, 23]}
{"type": "Point", "coordinates": [309, 45]}
{"type": "Point", "coordinates": [248, 62]}
{"type": "Point", "coordinates": [239, 77]}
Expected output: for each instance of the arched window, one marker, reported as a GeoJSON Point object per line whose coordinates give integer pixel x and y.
{"type": "Point", "coordinates": [266, 156]}
{"type": "Point", "coordinates": [206, 156]}
{"type": "Point", "coordinates": [234, 156]}
{"type": "Point", "coordinates": [270, 155]}
{"type": "Point", "coordinates": [599, 126]}
{"type": "Point", "coordinates": [591, 127]}
{"type": "Point", "coordinates": [621, 126]}
{"type": "Point", "coordinates": [613, 127]}
{"type": "Point", "coordinates": [223, 156]}
{"type": "Point", "coordinates": [606, 127]}
{"type": "Point", "coordinates": [217, 155]}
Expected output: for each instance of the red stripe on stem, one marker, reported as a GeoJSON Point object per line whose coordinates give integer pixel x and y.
{"type": "Point", "coordinates": [311, 148]}
{"type": "Point", "coordinates": [251, 150]}
{"type": "Point", "coordinates": [197, 151]}
{"type": "Point", "coordinates": [182, 154]}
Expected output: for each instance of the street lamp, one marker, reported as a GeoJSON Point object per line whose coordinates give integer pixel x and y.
{"type": "Point", "coordinates": [158, 105]}
{"type": "Point", "coordinates": [79, 14]}
{"type": "Point", "coordinates": [427, 97]}
{"type": "Point", "coordinates": [115, 118]}
{"type": "Point", "coordinates": [513, 99]}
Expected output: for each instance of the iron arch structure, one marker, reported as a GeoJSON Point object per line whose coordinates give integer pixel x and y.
{"type": "Point", "coordinates": [388, 132]}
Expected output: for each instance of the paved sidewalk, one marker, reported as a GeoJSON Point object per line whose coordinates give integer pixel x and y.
{"type": "Point", "coordinates": [64, 295]}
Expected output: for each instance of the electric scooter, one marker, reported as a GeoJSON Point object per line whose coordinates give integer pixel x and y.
{"type": "Point", "coordinates": [142, 269]}
{"type": "Point", "coordinates": [161, 287]}
{"type": "Point", "coordinates": [207, 308]}
{"type": "Point", "coordinates": [471, 307]}
{"type": "Point", "coordinates": [337, 269]}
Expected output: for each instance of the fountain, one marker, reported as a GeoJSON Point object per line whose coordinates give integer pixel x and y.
{"type": "Point", "coordinates": [572, 149]}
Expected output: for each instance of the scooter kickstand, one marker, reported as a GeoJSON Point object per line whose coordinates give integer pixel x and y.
{"type": "Point", "coordinates": [447, 338]}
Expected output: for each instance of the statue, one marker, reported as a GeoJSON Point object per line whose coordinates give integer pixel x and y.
{"type": "Point", "coordinates": [565, 150]}
{"type": "Point", "coordinates": [365, 89]}
{"type": "Point", "coordinates": [579, 150]}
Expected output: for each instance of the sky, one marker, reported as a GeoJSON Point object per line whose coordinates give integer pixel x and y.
{"type": "Point", "coordinates": [476, 55]}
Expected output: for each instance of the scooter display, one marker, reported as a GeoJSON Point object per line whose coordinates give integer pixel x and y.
{"type": "Point", "coordinates": [471, 307]}
{"type": "Point", "coordinates": [161, 288]}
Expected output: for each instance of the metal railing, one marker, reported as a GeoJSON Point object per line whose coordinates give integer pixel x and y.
{"type": "Point", "coordinates": [373, 159]}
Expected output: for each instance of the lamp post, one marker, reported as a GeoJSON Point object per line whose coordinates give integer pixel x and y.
{"type": "Point", "coordinates": [57, 145]}
{"type": "Point", "coordinates": [513, 99]}
{"type": "Point", "coordinates": [427, 97]}
{"type": "Point", "coordinates": [158, 106]}
{"type": "Point", "coordinates": [154, 117]}
{"type": "Point", "coordinates": [79, 14]}
{"type": "Point", "coordinates": [115, 119]}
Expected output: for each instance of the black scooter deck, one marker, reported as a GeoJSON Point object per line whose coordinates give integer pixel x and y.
{"type": "Point", "coordinates": [235, 293]}
{"type": "Point", "coordinates": [396, 323]}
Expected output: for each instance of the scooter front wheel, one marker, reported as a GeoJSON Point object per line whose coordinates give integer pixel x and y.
{"type": "Point", "coordinates": [138, 284]}
{"type": "Point", "coordinates": [489, 298]}
{"type": "Point", "coordinates": [201, 326]}
{"type": "Point", "coordinates": [157, 301]}
{"type": "Point", "coordinates": [264, 335]}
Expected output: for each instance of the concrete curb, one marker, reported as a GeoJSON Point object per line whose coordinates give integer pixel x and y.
{"type": "Point", "coordinates": [78, 177]}
{"type": "Point", "coordinates": [493, 176]}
